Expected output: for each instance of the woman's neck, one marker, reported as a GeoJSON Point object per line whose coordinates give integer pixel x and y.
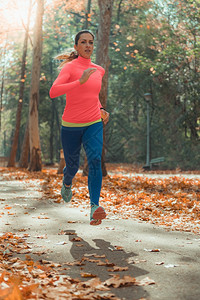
{"type": "Point", "coordinates": [85, 61]}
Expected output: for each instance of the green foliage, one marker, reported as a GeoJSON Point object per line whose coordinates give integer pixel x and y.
{"type": "Point", "coordinates": [158, 54]}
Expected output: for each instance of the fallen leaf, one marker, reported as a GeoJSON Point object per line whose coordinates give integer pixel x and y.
{"type": "Point", "coordinates": [94, 255]}
{"type": "Point", "coordinates": [89, 254]}
{"type": "Point", "coordinates": [76, 239]}
{"type": "Point", "coordinates": [110, 228]}
{"type": "Point", "coordinates": [86, 275]}
{"type": "Point", "coordinates": [116, 248]}
{"type": "Point", "coordinates": [171, 266]}
{"type": "Point", "coordinates": [95, 283]}
{"type": "Point", "coordinates": [132, 260]}
{"type": "Point", "coordinates": [69, 233]}
{"type": "Point", "coordinates": [24, 251]}
{"type": "Point", "coordinates": [106, 263]}
{"type": "Point", "coordinates": [11, 293]}
{"type": "Point", "coordinates": [109, 296]}
{"type": "Point", "coordinates": [41, 236]}
{"type": "Point", "coordinates": [116, 281]}
{"type": "Point", "coordinates": [160, 263]}
{"type": "Point", "coordinates": [118, 269]}
{"type": "Point", "coordinates": [61, 243]}
{"type": "Point", "coordinates": [144, 281]}
{"type": "Point", "coordinates": [152, 250]}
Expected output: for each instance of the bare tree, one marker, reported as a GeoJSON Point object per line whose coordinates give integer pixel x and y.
{"type": "Point", "coordinates": [23, 162]}
{"type": "Point", "coordinates": [11, 161]}
{"type": "Point", "coordinates": [2, 81]}
{"type": "Point", "coordinates": [102, 58]}
{"type": "Point", "coordinates": [34, 138]}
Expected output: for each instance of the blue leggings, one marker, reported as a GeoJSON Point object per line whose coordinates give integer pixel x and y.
{"type": "Point", "coordinates": [92, 139]}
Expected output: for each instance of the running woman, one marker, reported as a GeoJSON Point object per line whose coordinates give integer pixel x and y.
{"type": "Point", "coordinates": [80, 80]}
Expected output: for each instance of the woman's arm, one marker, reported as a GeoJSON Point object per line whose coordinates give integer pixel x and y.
{"type": "Point", "coordinates": [61, 85]}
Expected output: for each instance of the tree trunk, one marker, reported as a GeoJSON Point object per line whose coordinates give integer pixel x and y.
{"type": "Point", "coordinates": [1, 96]}
{"type": "Point", "coordinates": [102, 58]}
{"type": "Point", "coordinates": [24, 157]}
{"type": "Point", "coordinates": [34, 138]}
{"type": "Point", "coordinates": [119, 10]}
{"type": "Point", "coordinates": [11, 161]}
{"type": "Point", "coordinates": [2, 83]}
{"type": "Point", "coordinates": [87, 14]}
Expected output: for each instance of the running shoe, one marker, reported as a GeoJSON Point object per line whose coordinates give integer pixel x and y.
{"type": "Point", "coordinates": [66, 193]}
{"type": "Point", "coordinates": [97, 214]}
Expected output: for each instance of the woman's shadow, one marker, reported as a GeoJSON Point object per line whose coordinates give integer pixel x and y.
{"type": "Point", "coordinates": [104, 261]}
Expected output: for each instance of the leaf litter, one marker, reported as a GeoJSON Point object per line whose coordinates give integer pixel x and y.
{"type": "Point", "coordinates": [43, 279]}
{"type": "Point", "coordinates": [173, 202]}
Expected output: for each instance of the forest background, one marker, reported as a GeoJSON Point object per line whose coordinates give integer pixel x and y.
{"type": "Point", "coordinates": [153, 48]}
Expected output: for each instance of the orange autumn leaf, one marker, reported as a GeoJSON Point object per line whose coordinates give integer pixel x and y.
{"type": "Point", "coordinates": [118, 269]}
{"type": "Point", "coordinates": [12, 293]}
{"type": "Point", "coordinates": [144, 281]}
{"type": "Point", "coordinates": [86, 275]}
{"type": "Point", "coordinates": [27, 290]}
{"type": "Point", "coordinates": [2, 276]}
{"type": "Point", "coordinates": [106, 263]}
{"type": "Point", "coordinates": [116, 281]}
{"type": "Point", "coordinates": [95, 283]}
{"type": "Point", "coordinates": [76, 239]}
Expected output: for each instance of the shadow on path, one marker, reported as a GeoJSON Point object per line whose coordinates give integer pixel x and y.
{"type": "Point", "coordinates": [101, 261]}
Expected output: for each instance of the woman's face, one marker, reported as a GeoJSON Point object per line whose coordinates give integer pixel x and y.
{"type": "Point", "coordinates": [85, 45]}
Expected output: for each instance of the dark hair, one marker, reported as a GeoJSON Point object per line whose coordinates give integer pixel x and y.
{"type": "Point", "coordinates": [77, 37]}
{"type": "Point", "coordinates": [69, 57]}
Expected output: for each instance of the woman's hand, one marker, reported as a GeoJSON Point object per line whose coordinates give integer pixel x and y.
{"type": "Point", "coordinates": [86, 74]}
{"type": "Point", "coordinates": [104, 116]}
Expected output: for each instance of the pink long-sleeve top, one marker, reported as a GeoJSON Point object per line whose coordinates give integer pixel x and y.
{"type": "Point", "coordinates": [82, 100]}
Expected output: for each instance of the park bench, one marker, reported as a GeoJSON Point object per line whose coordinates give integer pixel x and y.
{"type": "Point", "coordinates": [156, 161]}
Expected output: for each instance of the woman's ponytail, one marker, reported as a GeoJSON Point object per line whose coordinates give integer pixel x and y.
{"type": "Point", "coordinates": [66, 58]}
